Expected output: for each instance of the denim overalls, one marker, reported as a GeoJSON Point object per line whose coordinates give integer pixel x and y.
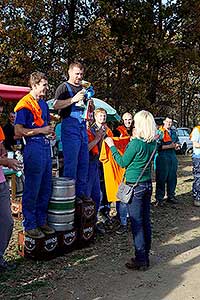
{"type": "Point", "coordinates": [75, 147]}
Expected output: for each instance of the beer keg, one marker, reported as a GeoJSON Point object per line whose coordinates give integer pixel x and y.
{"type": "Point", "coordinates": [62, 204]}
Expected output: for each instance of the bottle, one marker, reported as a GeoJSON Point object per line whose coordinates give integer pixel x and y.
{"type": "Point", "coordinates": [18, 155]}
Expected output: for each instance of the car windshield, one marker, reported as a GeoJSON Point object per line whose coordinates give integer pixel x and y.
{"type": "Point", "coordinates": [183, 132]}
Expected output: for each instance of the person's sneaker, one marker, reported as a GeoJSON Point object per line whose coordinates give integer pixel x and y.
{"type": "Point", "coordinates": [100, 229]}
{"type": "Point", "coordinates": [122, 229]}
{"type": "Point", "coordinates": [46, 229]}
{"type": "Point", "coordinates": [172, 200]}
{"type": "Point", "coordinates": [159, 203]}
{"type": "Point", "coordinates": [108, 224]}
{"type": "Point", "coordinates": [196, 203]}
{"type": "Point", "coordinates": [6, 266]}
{"type": "Point", "coordinates": [35, 233]}
{"type": "Point", "coordinates": [116, 222]}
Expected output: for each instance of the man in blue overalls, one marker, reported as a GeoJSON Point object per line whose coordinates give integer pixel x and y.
{"type": "Point", "coordinates": [69, 96]}
{"type": "Point", "coordinates": [32, 119]}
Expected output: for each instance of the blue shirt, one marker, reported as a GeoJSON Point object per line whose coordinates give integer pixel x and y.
{"type": "Point", "coordinates": [25, 117]}
{"type": "Point", "coordinates": [58, 137]}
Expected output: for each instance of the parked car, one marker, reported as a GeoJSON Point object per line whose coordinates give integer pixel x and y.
{"type": "Point", "coordinates": [159, 120]}
{"type": "Point", "coordinates": [184, 139]}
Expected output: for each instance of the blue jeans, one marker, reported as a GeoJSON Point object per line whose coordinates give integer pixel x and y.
{"type": "Point", "coordinates": [196, 174]}
{"type": "Point", "coordinates": [75, 151]}
{"type": "Point", "coordinates": [122, 212]}
{"type": "Point", "coordinates": [139, 212]}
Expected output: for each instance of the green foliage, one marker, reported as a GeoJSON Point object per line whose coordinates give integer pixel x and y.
{"type": "Point", "coordinates": [138, 54]}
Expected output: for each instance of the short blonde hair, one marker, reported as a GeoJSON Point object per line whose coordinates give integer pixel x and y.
{"type": "Point", "coordinates": [145, 126]}
{"type": "Point", "coordinates": [100, 110]}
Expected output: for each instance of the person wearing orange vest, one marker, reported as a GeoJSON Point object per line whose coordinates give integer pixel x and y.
{"type": "Point", "coordinates": [96, 133]}
{"type": "Point", "coordinates": [126, 128]}
{"type": "Point", "coordinates": [94, 189]}
{"type": "Point", "coordinates": [166, 163]}
{"type": "Point", "coordinates": [195, 138]}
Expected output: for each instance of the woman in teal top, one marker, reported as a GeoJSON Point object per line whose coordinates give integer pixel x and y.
{"type": "Point", "coordinates": [136, 156]}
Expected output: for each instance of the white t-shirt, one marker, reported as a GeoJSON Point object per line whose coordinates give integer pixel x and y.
{"type": "Point", "coordinates": [196, 138]}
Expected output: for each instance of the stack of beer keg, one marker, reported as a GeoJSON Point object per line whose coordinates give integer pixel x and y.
{"type": "Point", "coordinates": [61, 212]}
{"type": "Point", "coordinates": [72, 218]}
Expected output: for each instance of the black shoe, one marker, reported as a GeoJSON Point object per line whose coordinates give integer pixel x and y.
{"type": "Point", "coordinates": [159, 203]}
{"type": "Point", "coordinates": [172, 200]}
{"type": "Point", "coordinates": [116, 222]}
{"type": "Point", "coordinates": [122, 230]}
{"type": "Point", "coordinates": [100, 229]}
{"type": "Point", "coordinates": [134, 265]}
{"type": "Point", "coordinates": [147, 261]}
{"type": "Point", "coordinates": [5, 266]}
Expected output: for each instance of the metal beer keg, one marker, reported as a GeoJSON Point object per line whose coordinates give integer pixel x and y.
{"type": "Point", "coordinates": [62, 204]}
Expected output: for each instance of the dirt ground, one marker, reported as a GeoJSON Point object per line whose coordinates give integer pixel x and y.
{"type": "Point", "coordinates": [98, 272]}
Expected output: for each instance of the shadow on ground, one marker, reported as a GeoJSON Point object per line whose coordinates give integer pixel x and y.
{"type": "Point", "coordinates": [98, 272]}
